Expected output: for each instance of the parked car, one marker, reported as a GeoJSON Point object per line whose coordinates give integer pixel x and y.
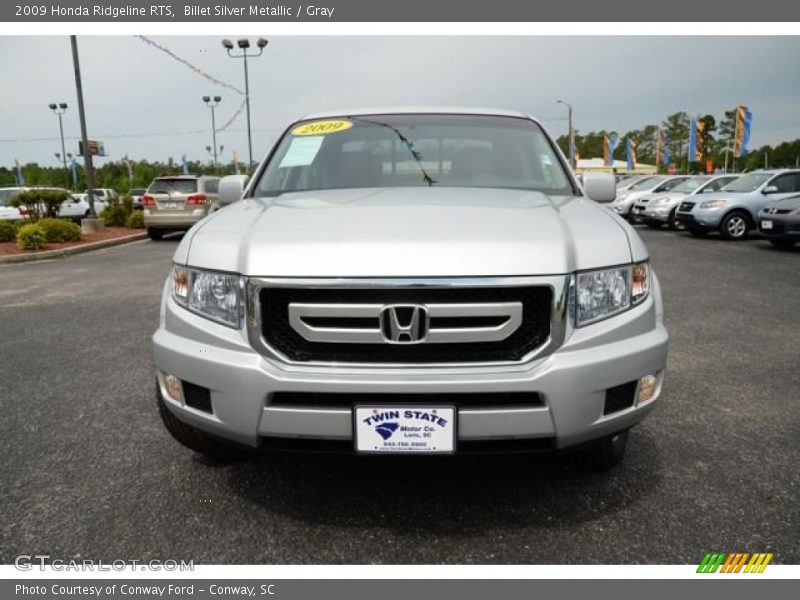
{"type": "Point", "coordinates": [623, 204]}
{"type": "Point", "coordinates": [106, 195]}
{"type": "Point", "coordinates": [411, 282]}
{"type": "Point", "coordinates": [74, 207]}
{"type": "Point", "coordinates": [77, 207]}
{"type": "Point", "coordinates": [7, 211]}
{"type": "Point", "coordinates": [733, 211]}
{"type": "Point", "coordinates": [655, 210]}
{"type": "Point", "coordinates": [779, 221]}
{"type": "Point", "coordinates": [176, 203]}
{"type": "Point", "coordinates": [136, 195]}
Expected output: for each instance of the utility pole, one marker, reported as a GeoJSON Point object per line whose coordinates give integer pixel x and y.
{"type": "Point", "coordinates": [87, 157]}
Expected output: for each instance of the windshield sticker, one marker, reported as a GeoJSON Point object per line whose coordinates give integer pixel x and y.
{"type": "Point", "coordinates": [301, 152]}
{"type": "Point", "coordinates": [322, 127]}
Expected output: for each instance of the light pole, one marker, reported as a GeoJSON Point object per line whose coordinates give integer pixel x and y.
{"type": "Point", "coordinates": [213, 154]}
{"type": "Point", "coordinates": [213, 105]}
{"type": "Point", "coordinates": [59, 109]}
{"type": "Point", "coordinates": [244, 44]}
{"type": "Point", "coordinates": [87, 156]}
{"type": "Point", "coordinates": [571, 133]}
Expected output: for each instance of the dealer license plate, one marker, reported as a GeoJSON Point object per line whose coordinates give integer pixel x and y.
{"type": "Point", "coordinates": [766, 224]}
{"type": "Point", "coordinates": [405, 429]}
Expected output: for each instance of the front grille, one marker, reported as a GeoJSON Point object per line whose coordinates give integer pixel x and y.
{"type": "Point", "coordinates": [687, 206]}
{"type": "Point", "coordinates": [533, 331]}
{"type": "Point", "coordinates": [463, 400]}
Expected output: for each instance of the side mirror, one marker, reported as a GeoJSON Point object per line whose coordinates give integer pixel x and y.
{"type": "Point", "coordinates": [230, 189]}
{"type": "Point", "coordinates": [600, 187]}
{"type": "Point", "coordinates": [770, 189]}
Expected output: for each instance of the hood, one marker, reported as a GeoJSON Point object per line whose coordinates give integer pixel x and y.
{"type": "Point", "coordinates": [408, 232]}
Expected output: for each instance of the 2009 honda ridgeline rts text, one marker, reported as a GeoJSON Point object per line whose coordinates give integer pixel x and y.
{"type": "Point", "coordinates": [411, 281]}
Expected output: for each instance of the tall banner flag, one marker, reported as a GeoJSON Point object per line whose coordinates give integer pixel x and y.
{"type": "Point", "coordinates": [692, 151]}
{"type": "Point", "coordinates": [665, 155]}
{"type": "Point", "coordinates": [235, 162]}
{"type": "Point", "coordinates": [744, 118]}
{"type": "Point", "coordinates": [185, 164]}
{"type": "Point", "coordinates": [701, 141]}
{"type": "Point", "coordinates": [127, 162]}
{"type": "Point", "coordinates": [572, 155]}
{"type": "Point", "coordinates": [20, 178]}
{"type": "Point", "coordinates": [73, 167]}
{"type": "Point", "coordinates": [630, 153]}
{"type": "Point", "coordinates": [609, 145]}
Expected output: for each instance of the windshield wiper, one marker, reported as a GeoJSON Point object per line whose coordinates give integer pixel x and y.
{"type": "Point", "coordinates": [406, 142]}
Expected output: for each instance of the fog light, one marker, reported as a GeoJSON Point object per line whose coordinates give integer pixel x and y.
{"type": "Point", "coordinates": [172, 386]}
{"type": "Point", "coordinates": [648, 386]}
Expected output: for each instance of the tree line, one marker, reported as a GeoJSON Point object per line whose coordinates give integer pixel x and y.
{"type": "Point", "coordinates": [718, 137]}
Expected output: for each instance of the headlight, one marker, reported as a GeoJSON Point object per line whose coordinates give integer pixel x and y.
{"type": "Point", "coordinates": [216, 296]}
{"type": "Point", "coordinates": [607, 292]}
{"type": "Point", "coordinates": [662, 200]}
{"type": "Point", "coordinates": [713, 204]}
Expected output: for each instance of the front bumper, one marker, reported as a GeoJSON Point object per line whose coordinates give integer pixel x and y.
{"type": "Point", "coordinates": [782, 226]}
{"type": "Point", "coordinates": [649, 212]}
{"type": "Point", "coordinates": [700, 219]}
{"type": "Point", "coordinates": [572, 382]}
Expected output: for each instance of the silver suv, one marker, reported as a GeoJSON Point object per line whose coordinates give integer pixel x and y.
{"type": "Point", "coordinates": [176, 203]}
{"type": "Point", "coordinates": [411, 281]}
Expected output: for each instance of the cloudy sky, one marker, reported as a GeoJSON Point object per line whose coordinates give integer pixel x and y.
{"type": "Point", "coordinates": [143, 103]}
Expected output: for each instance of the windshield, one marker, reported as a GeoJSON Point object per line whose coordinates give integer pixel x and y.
{"type": "Point", "coordinates": [747, 183]}
{"type": "Point", "coordinates": [689, 185]}
{"type": "Point", "coordinates": [647, 184]}
{"type": "Point", "coordinates": [6, 195]}
{"type": "Point", "coordinates": [173, 186]}
{"type": "Point", "coordinates": [414, 150]}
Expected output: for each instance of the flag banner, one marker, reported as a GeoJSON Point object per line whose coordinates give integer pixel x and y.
{"type": "Point", "coordinates": [20, 178]}
{"type": "Point", "coordinates": [741, 135]}
{"type": "Point", "coordinates": [129, 164]}
{"type": "Point", "coordinates": [665, 154]}
{"type": "Point", "coordinates": [235, 162]}
{"type": "Point", "coordinates": [701, 141]}
{"type": "Point", "coordinates": [572, 155]}
{"type": "Point", "coordinates": [185, 165]}
{"type": "Point", "coordinates": [748, 121]}
{"type": "Point", "coordinates": [692, 150]}
{"type": "Point", "coordinates": [609, 145]}
{"type": "Point", "coordinates": [630, 153]}
{"type": "Point", "coordinates": [74, 169]}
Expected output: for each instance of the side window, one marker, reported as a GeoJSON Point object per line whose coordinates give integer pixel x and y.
{"type": "Point", "coordinates": [785, 183]}
{"type": "Point", "coordinates": [212, 186]}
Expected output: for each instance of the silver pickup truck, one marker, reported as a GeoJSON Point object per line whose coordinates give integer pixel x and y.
{"type": "Point", "coordinates": [411, 281]}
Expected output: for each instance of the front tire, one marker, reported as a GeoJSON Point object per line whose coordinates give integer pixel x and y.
{"type": "Point", "coordinates": [609, 452]}
{"type": "Point", "coordinates": [735, 226]}
{"type": "Point", "coordinates": [194, 439]}
{"type": "Point", "coordinates": [672, 221]}
{"type": "Point", "coordinates": [155, 234]}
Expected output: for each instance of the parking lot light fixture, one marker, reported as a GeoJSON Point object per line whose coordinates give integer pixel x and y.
{"type": "Point", "coordinates": [244, 44]}
{"type": "Point", "coordinates": [59, 109]}
{"type": "Point", "coordinates": [213, 105]}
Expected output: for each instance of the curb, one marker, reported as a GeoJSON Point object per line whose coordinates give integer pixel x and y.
{"type": "Point", "coordinates": [61, 252]}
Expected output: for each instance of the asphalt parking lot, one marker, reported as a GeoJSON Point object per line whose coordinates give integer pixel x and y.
{"type": "Point", "coordinates": [88, 471]}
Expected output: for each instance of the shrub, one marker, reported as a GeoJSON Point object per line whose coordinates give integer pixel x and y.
{"type": "Point", "coordinates": [135, 220]}
{"type": "Point", "coordinates": [114, 215]}
{"type": "Point", "coordinates": [31, 237]}
{"type": "Point", "coordinates": [59, 230]}
{"type": "Point", "coordinates": [8, 231]}
{"type": "Point", "coordinates": [127, 204]}
{"type": "Point", "coordinates": [40, 202]}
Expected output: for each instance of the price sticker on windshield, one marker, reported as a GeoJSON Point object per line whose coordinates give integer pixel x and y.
{"type": "Point", "coordinates": [322, 127]}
